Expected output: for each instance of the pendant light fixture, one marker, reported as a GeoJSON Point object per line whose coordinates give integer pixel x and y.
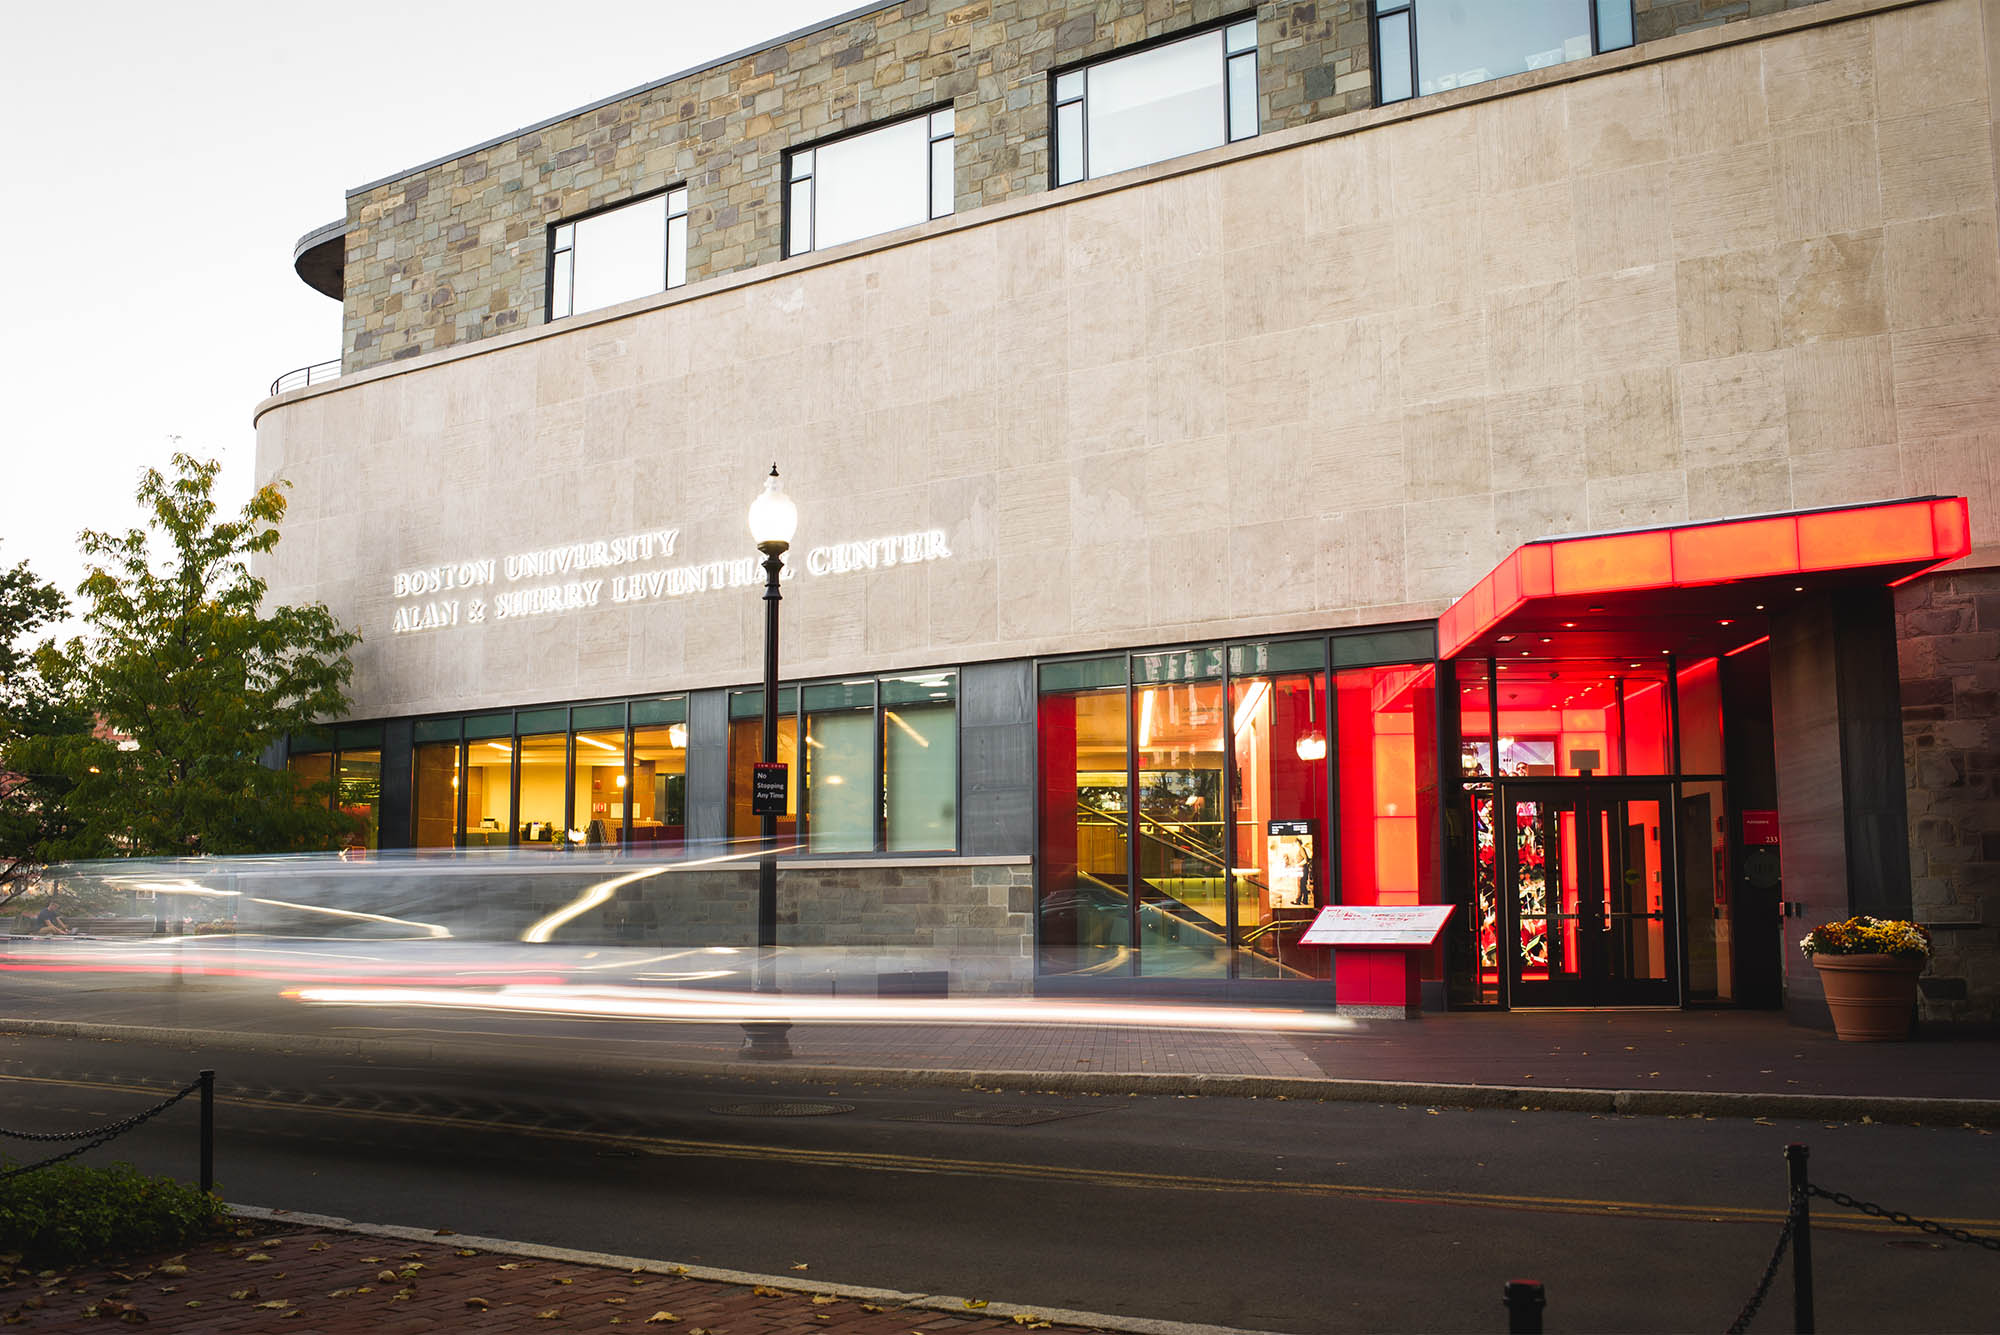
{"type": "Point", "coordinates": [1312, 742]}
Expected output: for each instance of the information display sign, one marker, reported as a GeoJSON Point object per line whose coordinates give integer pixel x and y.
{"type": "Point", "coordinates": [1372, 925]}
{"type": "Point", "coordinates": [768, 783]}
{"type": "Point", "coordinates": [1760, 827]}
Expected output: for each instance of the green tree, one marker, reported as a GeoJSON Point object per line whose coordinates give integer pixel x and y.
{"type": "Point", "coordinates": [190, 680]}
{"type": "Point", "coordinates": [33, 705]}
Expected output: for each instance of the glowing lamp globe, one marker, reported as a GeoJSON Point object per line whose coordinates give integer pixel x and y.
{"type": "Point", "coordinates": [773, 516]}
{"type": "Point", "coordinates": [1311, 745]}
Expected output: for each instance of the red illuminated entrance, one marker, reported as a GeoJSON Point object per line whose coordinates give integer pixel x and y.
{"type": "Point", "coordinates": [1615, 715]}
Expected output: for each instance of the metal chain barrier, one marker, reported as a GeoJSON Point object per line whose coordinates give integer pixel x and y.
{"type": "Point", "coordinates": [1908, 1221]}
{"type": "Point", "coordinates": [93, 1138]}
{"type": "Point", "coordinates": [1749, 1312]}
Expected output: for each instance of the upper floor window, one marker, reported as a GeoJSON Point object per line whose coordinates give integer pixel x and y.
{"type": "Point", "coordinates": [1179, 97]}
{"type": "Point", "coordinates": [1430, 46]}
{"type": "Point", "coordinates": [633, 250]}
{"type": "Point", "coordinates": [872, 182]}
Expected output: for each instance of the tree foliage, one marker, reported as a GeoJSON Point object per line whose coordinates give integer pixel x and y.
{"type": "Point", "coordinates": [190, 680]}
{"type": "Point", "coordinates": [33, 704]}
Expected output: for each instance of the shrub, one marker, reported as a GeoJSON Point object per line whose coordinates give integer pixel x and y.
{"type": "Point", "coordinates": [72, 1213]}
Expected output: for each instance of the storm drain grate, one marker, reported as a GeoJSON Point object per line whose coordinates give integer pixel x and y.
{"type": "Point", "coordinates": [776, 1109]}
{"type": "Point", "coordinates": [994, 1116]}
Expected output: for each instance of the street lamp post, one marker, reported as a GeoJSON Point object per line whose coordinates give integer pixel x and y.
{"type": "Point", "coordinates": [773, 520]}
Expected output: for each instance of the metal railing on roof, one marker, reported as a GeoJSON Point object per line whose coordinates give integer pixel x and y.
{"type": "Point", "coordinates": [316, 374]}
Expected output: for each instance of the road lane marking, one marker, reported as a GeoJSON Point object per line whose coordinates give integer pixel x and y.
{"type": "Point", "coordinates": [866, 1160]}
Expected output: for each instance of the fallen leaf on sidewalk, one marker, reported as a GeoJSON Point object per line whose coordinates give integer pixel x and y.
{"type": "Point", "coordinates": [508, 1265]}
{"type": "Point", "coordinates": [765, 1291]}
{"type": "Point", "coordinates": [465, 1251]}
{"type": "Point", "coordinates": [275, 1304]}
{"type": "Point", "coordinates": [615, 1301]}
{"type": "Point", "coordinates": [317, 1247]}
{"type": "Point", "coordinates": [244, 1295]}
{"type": "Point", "coordinates": [477, 1304]}
{"type": "Point", "coordinates": [822, 1299]}
{"type": "Point", "coordinates": [258, 1256]}
{"type": "Point", "coordinates": [550, 1315]}
{"type": "Point", "coordinates": [445, 1232]}
{"type": "Point", "coordinates": [170, 1268]}
{"type": "Point", "coordinates": [870, 1307]}
{"type": "Point", "coordinates": [561, 1279]}
{"type": "Point", "coordinates": [975, 1302]}
{"type": "Point", "coordinates": [385, 1276]}
{"type": "Point", "coordinates": [341, 1293]}
{"type": "Point", "coordinates": [661, 1318]}
{"type": "Point", "coordinates": [800, 1266]}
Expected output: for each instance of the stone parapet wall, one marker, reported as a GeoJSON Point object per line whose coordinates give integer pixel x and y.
{"type": "Point", "coordinates": [458, 251]}
{"type": "Point", "coordinates": [1948, 627]}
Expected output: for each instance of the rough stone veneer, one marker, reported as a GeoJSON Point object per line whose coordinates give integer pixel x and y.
{"type": "Point", "coordinates": [1949, 657]}
{"type": "Point", "coordinates": [1653, 19]}
{"type": "Point", "coordinates": [458, 251]}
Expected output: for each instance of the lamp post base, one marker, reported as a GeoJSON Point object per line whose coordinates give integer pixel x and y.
{"type": "Point", "coordinates": [765, 1040]}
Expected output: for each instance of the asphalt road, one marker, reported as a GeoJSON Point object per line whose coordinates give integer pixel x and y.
{"type": "Point", "coordinates": [1260, 1214]}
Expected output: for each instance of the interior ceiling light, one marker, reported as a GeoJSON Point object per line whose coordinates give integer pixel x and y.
{"type": "Point", "coordinates": [1725, 621]}
{"type": "Point", "coordinates": [1569, 625]}
{"type": "Point", "coordinates": [1760, 607]}
{"type": "Point", "coordinates": [1506, 639]}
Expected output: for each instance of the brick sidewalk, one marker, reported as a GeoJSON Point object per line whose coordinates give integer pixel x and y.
{"type": "Point", "coordinates": [319, 1280]}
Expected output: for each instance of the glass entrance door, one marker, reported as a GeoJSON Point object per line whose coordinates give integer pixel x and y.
{"type": "Point", "coordinates": [1587, 895]}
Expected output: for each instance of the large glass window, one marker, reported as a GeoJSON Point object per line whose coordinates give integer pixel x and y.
{"type": "Point", "coordinates": [434, 795]}
{"type": "Point", "coordinates": [1084, 908]}
{"type": "Point", "coordinates": [840, 767]}
{"type": "Point", "coordinates": [1179, 822]}
{"type": "Point", "coordinates": [543, 759]}
{"type": "Point", "coordinates": [488, 775]}
{"type": "Point", "coordinates": [920, 762]}
{"type": "Point", "coordinates": [746, 748]}
{"type": "Point", "coordinates": [1163, 102]}
{"type": "Point", "coordinates": [633, 250]}
{"type": "Point", "coordinates": [868, 183]}
{"type": "Point", "coordinates": [601, 788]}
{"type": "Point", "coordinates": [1279, 728]}
{"type": "Point", "coordinates": [659, 785]}
{"type": "Point", "coordinates": [1432, 46]}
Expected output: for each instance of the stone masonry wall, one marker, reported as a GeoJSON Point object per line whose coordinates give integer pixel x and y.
{"type": "Point", "coordinates": [1949, 655]}
{"type": "Point", "coordinates": [1653, 19]}
{"type": "Point", "coordinates": [458, 251]}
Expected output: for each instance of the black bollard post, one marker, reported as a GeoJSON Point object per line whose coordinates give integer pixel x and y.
{"type": "Point", "coordinates": [1525, 1300]}
{"type": "Point", "coordinates": [1802, 1279]}
{"type": "Point", "coordinates": [207, 1132]}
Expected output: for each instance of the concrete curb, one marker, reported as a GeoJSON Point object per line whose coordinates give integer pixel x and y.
{"type": "Point", "coordinates": [1526, 1098]}
{"type": "Point", "coordinates": [956, 1306]}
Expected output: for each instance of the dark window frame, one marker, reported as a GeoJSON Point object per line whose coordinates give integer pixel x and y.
{"type": "Point", "coordinates": [790, 178]}
{"type": "Point", "coordinates": [1230, 135]}
{"type": "Point", "coordinates": [552, 250]}
{"type": "Point", "coordinates": [1381, 10]}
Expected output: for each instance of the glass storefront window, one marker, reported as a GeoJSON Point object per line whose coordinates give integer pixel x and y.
{"type": "Point", "coordinates": [1084, 909]}
{"type": "Point", "coordinates": [600, 794]}
{"type": "Point", "coordinates": [1183, 889]}
{"type": "Point", "coordinates": [920, 763]}
{"type": "Point", "coordinates": [1279, 728]}
{"type": "Point", "coordinates": [1475, 719]}
{"type": "Point", "coordinates": [840, 767]}
{"type": "Point", "coordinates": [359, 795]}
{"type": "Point", "coordinates": [434, 795]}
{"type": "Point", "coordinates": [544, 764]}
{"type": "Point", "coordinates": [1574, 718]}
{"type": "Point", "coordinates": [1706, 895]}
{"type": "Point", "coordinates": [489, 792]}
{"type": "Point", "coordinates": [746, 748]}
{"type": "Point", "coordinates": [314, 770]}
{"type": "Point", "coordinates": [1388, 785]}
{"type": "Point", "coordinates": [659, 787]}
{"type": "Point", "coordinates": [1698, 690]}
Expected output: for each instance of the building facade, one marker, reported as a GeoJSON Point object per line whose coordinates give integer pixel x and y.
{"type": "Point", "coordinates": [1187, 408]}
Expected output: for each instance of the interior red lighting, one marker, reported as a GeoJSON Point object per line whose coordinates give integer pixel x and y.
{"type": "Point", "coordinates": [1761, 639]}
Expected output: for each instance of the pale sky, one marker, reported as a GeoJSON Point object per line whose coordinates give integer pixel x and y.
{"type": "Point", "coordinates": [162, 161]}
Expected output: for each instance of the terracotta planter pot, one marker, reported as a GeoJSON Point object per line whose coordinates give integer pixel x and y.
{"type": "Point", "coordinates": [1871, 996]}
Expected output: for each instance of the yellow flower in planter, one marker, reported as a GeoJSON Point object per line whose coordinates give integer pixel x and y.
{"type": "Point", "coordinates": [1868, 936]}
